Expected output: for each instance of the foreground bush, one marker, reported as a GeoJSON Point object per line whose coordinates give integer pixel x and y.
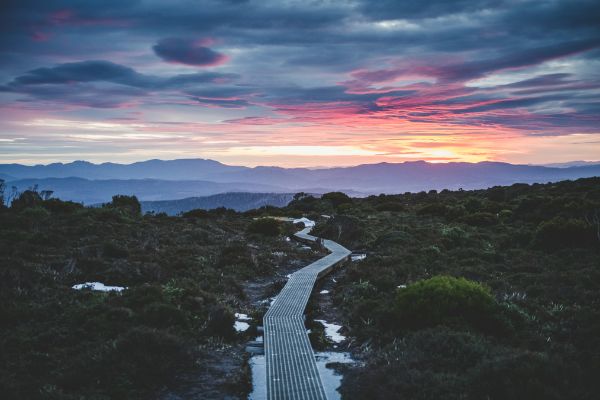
{"type": "Point", "coordinates": [440, 363]}
{"type": "Point", "coordinates": [444, 300]}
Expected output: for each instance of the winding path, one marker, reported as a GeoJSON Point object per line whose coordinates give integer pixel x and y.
{"type": "Point", "coordinates": [291, 367]}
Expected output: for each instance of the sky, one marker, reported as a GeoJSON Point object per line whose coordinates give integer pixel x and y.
{"type": "Point", "coordinates": [300, 83]}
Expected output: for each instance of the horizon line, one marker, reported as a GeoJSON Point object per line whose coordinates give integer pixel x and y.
{"type": "Point", "coordinates": [549, 164]}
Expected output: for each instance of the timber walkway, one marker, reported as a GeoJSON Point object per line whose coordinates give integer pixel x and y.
{"type": "Point", "coordinates": [291, 367]}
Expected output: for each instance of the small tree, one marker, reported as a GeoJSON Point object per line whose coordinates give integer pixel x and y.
{"type": "Point", "coordinates": [128, 204]}
{"type": "Point", "coordinates": [337, 198]}
{"type": "Point", "coordinates": [27, 199]}
{"type": "Point", "coordinates": [46, 194]}
{"type": "Point", "coordinates": [300, 196]}
{"type": "Point", "coordinates": [14, 193]}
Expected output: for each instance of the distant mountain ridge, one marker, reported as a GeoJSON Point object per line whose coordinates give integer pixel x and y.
{"type": "Point", "coordinates": [572, 164]}
{"type": "Point", "coordinates": [182, 169]}
{"type": "Point", "coordinates": [100, 191]}
{"type": "Point", "coordinates": [359, 180]}
{"type": "Point", "coordinates": [237, 201]}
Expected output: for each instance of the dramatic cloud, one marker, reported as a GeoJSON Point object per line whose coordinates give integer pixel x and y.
{"type": "Point", "coordinates": [116, 86]}
{"type": "Point", "coordinates": [187, 52]}
{"type": "Point", "coordinates": [386, 80]}
{"type": "Point", "coordinates": [106, 71]}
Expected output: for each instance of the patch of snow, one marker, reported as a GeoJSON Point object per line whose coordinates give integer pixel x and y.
{"type": "Point", "coordinates": [278, 253]}
{"type": "Point", "coordinates": [268, 301]}
{"type": "Point", "coordinates": [331, 331]}
{"type": "Point", "coordinates": [326, 216]}
{"type": "Point", "coordinates": [305, 248]}
{"type": "Point", "coordinates": [287, 239]}
{"type": "Point", "coordinates": [288, 276]}
{"type": "Point", "coordinates": [401, 286]}
{"type": "Point", "coordinates": [101, 287]}
{"type": "Point", "coordinates": [358, 257]}
{"type": "Point", "coordinates": [240, 326]}
{"type": "Point", "coordinates": [242, 317]}
{"type": "Point", "coordinates": [307, 222]}
{"type": "Point", "coordinates": [324, 292]}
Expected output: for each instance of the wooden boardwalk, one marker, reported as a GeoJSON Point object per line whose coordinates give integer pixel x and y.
{"type": "Point", "coordinates": [291, 367]}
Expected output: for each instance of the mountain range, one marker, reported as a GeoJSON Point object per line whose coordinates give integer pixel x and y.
{"type": "Point", "coordinates": [239, 201]}
{"type": "Point", "coordinates": [176, 179]}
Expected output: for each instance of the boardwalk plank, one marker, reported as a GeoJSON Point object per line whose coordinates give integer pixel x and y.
{"type": "Point", "coordinates": [292, 372]}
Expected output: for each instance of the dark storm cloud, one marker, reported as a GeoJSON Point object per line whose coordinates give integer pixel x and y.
{"type": "Point", "coordinates": [92, 83]}
{"type": "Point", "coordinates": [86, 71]}
{"type": "Point", "coordinates": [106, 71]}
{"type": "Point", "coordinates": [478, 68]}
{"type": "Point", "coordinates": [186, 51]}
{"type": "Point", "coordinates": [529, 57]}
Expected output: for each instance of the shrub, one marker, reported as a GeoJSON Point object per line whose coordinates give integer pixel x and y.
{"type": "Point", "coordinates": [35, 214]}
{"type": "Point", "coordinates": [220, 322]}
{"type": "Point", "coordinates": [530, 376]}
{"type": "Point", "coordinates": [337, 198]}
{"type": "Point", "coordinates": [455, 235]}
{"type": "Point", "coordinates": [307, 203]}
{"type": "Point", "coordinates": [347, 230]}
{"type": "Point", "coordinates": [197, 213]}
{"type": "Point", "coordinates": [61, 207]}
{"type": "Point", "coordinates": [235, 255]}
{"type": "Point", "coordinates": [139, 296]}
{"type": "Point", "coordinates": [27, 199]}
{"type": "Point", "coordinates": [148, 356]}
{"type": "Point", "coordinates": [444, 300]}
{"type": "Point", "coordinates": [128, 204]}
{"type": "Point", "coordinates": [264, 226]}
{"type": "Point", "coordinates": [562, 232]}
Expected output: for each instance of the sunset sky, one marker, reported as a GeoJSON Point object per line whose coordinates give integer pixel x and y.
{"type": "Point", "coordinates": [300, 83]}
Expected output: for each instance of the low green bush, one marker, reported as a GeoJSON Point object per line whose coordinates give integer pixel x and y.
{"type": "Point", "coordinates": [445, 300]}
